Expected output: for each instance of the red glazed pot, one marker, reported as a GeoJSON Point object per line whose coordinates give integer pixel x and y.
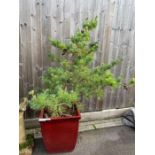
{"type": "Point", "coordinates": [59, 134]}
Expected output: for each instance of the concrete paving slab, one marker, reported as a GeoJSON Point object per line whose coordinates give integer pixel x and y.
{"type": "Point", "coordinates": [108, 141]}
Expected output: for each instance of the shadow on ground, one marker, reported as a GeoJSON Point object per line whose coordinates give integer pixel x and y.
{"type": "Point", "coordinates": [107, 141]}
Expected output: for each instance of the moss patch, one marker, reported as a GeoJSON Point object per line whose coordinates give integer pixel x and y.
{"type": "Point", "coordinates": [28, 144]}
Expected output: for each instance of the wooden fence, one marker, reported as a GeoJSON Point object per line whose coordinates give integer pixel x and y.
{"type": "Point", "coordinates": [40, 19]}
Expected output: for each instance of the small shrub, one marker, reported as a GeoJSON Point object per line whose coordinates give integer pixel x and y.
{"type": "Point", "coordinates": [73, 77]}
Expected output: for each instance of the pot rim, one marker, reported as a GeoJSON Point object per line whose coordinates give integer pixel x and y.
{"type": "Point", "coordinates": [42, 119]}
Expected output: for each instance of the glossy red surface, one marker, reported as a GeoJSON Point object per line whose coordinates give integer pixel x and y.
{"type": "Point", "coordinates": [60, 134]}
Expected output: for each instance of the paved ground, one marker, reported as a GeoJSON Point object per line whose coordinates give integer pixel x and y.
{"type": "Point", "coordinates": [108, 141]}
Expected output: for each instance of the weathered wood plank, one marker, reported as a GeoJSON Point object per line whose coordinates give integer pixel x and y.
{"type": "Point", "coordinates": [46, 31]}
{"type": "Point", "coordinates": [86, 117]}
{"type": "Point", "coordinates": [84, 126]}
{"type": "Point", "coordinates": [24, 45]}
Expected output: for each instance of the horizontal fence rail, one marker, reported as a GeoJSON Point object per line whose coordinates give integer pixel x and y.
{"type": "Point", "coordinates": [41, 19]}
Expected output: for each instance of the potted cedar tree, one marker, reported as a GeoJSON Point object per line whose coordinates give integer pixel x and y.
{"type": "Point", "coordinates": [65, 83]}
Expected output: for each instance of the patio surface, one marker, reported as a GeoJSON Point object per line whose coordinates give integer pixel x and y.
{"type": "Point", "coordinates": [108, 141]}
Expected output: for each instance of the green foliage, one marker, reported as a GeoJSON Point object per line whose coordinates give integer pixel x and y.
{"type": "Point", "coordinates": [74, 77]}
{"type": "Point", "coordinates": [39, 101]}
{"type": "Point", "coordinates": [57, 44]}
{"type": "Point", "coordinates": [55, 103]}
{"type": "Point", "coordinates": [28, 144]}
{"type": "Point", "coordinates": [132, 81]}
{"type": "Point", "coordinates": [90, 24]}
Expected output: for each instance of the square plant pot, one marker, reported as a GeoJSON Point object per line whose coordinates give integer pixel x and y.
{"type": "Point", "coordinates": [59, 134]}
